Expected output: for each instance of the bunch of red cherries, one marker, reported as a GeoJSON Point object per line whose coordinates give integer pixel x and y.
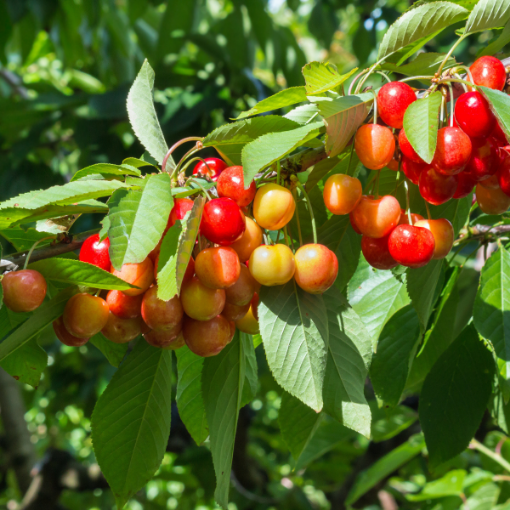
{"type": "Point", "coordinates": [471, 151]}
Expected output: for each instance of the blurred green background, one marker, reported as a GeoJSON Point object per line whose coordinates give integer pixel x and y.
{"type": "Point", "coordinates": [66, 67]}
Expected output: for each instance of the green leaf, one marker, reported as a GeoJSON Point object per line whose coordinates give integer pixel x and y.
{"type": "Point", "coordinates": [423, 64]}
{"type": "Point", "coordinates": [287, 97]}
{"type": "Point", "coordinates": [500, 106]}
{"type": "Point", "coordinates": [488, 14]}
{"type": "Point", "coordinates": [269, 148]}
{"type": "Point", "coordinates": [137, 163]}
{"type": "Point", "coordinates": [24, 239]}
{"type": "Point", "coordinates": [222, 389]}
{"type": "Point", "coordinates": [138, 219]}
{"type": "Point", "coordinates": [252, 380]}
{"type": "Point", "coordinates": [454, 396]}
{"type": "Point", "coordinates": [387, 423]}
{"type": "Point", "coordinates": [131, 420]}
{"type": "Point", "coordinates": [343, 116]}
{"type": "Point", "coordinates": [349, 355]}
{"type": "Point", "coordinates": [385, 466]}
{"type": "Point", "coordinates": [485, 498]}
{"type": "Point", "coordinates": [418, 23]}
{"type": "Point", "coordinates": [319, 171]}
{"type": "Point", "coordinates": [106, 169]}
{"type": "Point", "coordinates": [421, 122]}
{"type": "Point", "coordinates": [79, 273]}
{"type": "Point", "coordinates": [395, 351]}
{"type": "Point", "coordinates": [456, 211]}
{"type": "Point", "coordinates": [450, 484]}
{"type": "Point", "coordinates": [189, 394]}
{"type": "Point", "coordinates": [113, 352]}
{"type": "Point", "coordinates": [294, 330]}
{"type": "Point", "coordinates": [303, 114]}
{"type": "Point", "coordinates": [321, 77]}
{"type": "Point", "coordinates": [143, 117]}
{"type": "Point", "coordinates": [497, 44]}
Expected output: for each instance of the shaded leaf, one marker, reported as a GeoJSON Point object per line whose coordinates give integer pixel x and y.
{"type": "Point", "coordinates": [387, 423]}
{"type": "Point", "coordinates": [113, 352]}
{"type": "Point", "coordinates": [498, 44]}
{"type": "Point", "coordinates": [423, 64]}
{"type": "Point", "coordinates": [106, 169]}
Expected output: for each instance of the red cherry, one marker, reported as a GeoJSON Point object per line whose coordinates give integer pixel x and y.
{"type": "Point", "coordinates": [162, 315]}
{"type": "Point", "coordinates": [23, 290]}
{"type": "Point", "coordinates": [216, 166]}
{"type": "Point", "coordinates": [65, 337]}
{"type": "Point", "coordinates": [123, 306]}
{"type": "Point", "coordinates": [231, 185]}
{"type": "Point", "coordinates": [489, 72]}
{"type": "Point", "coordinates": [377, 253]}
{"type": "Point", "coordinates": [436, 188]}
{"type": "Point", "coordinates": [492, 201]}
{"type": "Point", "coordinates": [179, 210]}
{"type": "Point", "coordinates": [353, 224]}
{"type": "Point", "coordinates": [499, 134]}
{"type": "Point", "coordinates": [411, 246]}
{"type": "Point", "coordinates": [453, 151]}
{"type": "Point", "coordinates": [484, 159]}
{"type": "Point", "coordinates": [465, 185]}
{"type": "Point", "coordinates": [404, 218]}
{"type": "Point", "coordinates": [392, 101]}
{"type": "Point", "coordinates": [474, 115]}
{"type": "Point", "coordinates": [95, 252]}
{"type": "Point", "coordinates": [413, 170]}
{"type": "Point", "coordinates": [223, 222]}
{"type": "Point", "coordinates": [407, 149]}
{"type": "Point", "coordinates": [504, 175]}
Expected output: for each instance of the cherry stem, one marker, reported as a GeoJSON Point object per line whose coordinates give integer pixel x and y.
{"type": "Point", "coordinates": [448, 55]}
{"type": "Point", "coordinates": [456, 80]}
{"type": "Point", "coordinates": [408, 206]}
{"type": "Point", "coordinates": [201, 187]}
{"type": "Point", "coordinates": [297, 220]}
{"type": "Point", "coordinates": [411, 78]}
{"type": "Point", "coordinates": [355, 79]}
{"type": "Point", "coordinates": [290, 237]}
{"type": "Point", "coordinates": [32, 249]}
{"type": "Point", "coordinates": [377, 184]}
{"type": "Point", "coordinates": [278, 170]}
{"type": "Point", "coordinates": [429, 216]}
{"type": "Point", "coordinates": [177, 144]}
{"type": "Point", "coordinates": [188, 163]}
{"type": "Point", "coordinates": [350, 160]}
{"type": "Point", "coordinates": [468, 72]}
{"type": "Point", "coordinates": [463, 84]}
{"type": "Point", "coordinates": [310, 210]}
{"type": "Point", "coordinates": [476, 445]}
{"type": "Point", "coordinates": [375, 107]}
{"type": "Point", "coordinates": [179, 165]}
{"type": "Point", "coordinates": [452, 105]}
{"type": "Point", "coordinates": [384, 75]}
{"type": "Point", "coordinates": [278, 237]}
{"type": "Point", "coordinates": [369, 72]}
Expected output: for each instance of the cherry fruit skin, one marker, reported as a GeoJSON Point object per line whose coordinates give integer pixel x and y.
{"type": "Point", "coordinates": [251, 238]}
{"type": "Point", "coordinates": [377, 217]}
{"type": "Point", "coordinates": [491, 182]}
{"type": "Point", "coordinates": [374, 145]}
{"type": "Point", "coordinates": [231, 185]}
{"type": "Point", "coordinates": [272, 265]}
{"type": "Point", "coordinates": [411, 246]}
{"type": "Point", "coordinates": [465, 185]}
{"type": "Point", "coordinates": [24, 290]}
{"type": "Point", "coordinates": [201, 302]}
{"type": "Point", "coordinates": [65, 337]}
{"type": "Point", "coordinates": [484, 159]}
{"type": "Point", "coordinates": [488, 72]}
{"type": "Point", "coordinates": [492, 201]}
{"type": "Point", "coordinates": [241, 293]}
{"type": "Point", "coordinates": [413, 170]}
{"type": "Point", "coordinates": [216, 167]}
{"type": "Point", "coordinates": [141, 275]}
{"type": "Point", "coordinates": [273, 206]}
{"type": "Point", "coordinates": [453, 151]}
{"type": "Point", "coordinates": [95, 252]}
{"type": "Point", "coordinates": [442, 230]}
{"type": "Point", "coordinates": [218, 268]}
{"type": "Point", "coordinates": [162, 315]}
{"type": "Point", "coordinates": [121, 331]}
{"type": "Point", "coordinates": [504, 174]}
{"type": "Point", "coordinates": [437, 188]}
{"type": "Point", "coordinates": [250, 322]}
{"type": "Point", "coordinates": [123, 306]}
{"type": "Point", "coordinates": [179, 210]}
{"type": "Point", "coordinates": [407, 149]}
{"type": "Point", "coordinates": [207, 338]}
{"type": "Point", "coordinates": [353, 224]}
{"type": "Point", "coordinates": [316, 268]}
{"type": "Point", "coordinates": [342, 193]}
{"type": "Point", "coordinates": [377, 253]}
{"type": "Point", "coordinates": [85, 315]}
{"type": "Point", "coordinates": [499, 134]}
{"type": "Point", "coordinates": [393, 100]}
{"type": "Point", "coordinates": [404, 218]}
{"type": "Point", "coordinates": [174, 344]}
{"type": "Point", "coordinates": [164, 339]}
{"type": "Point", "coordinates": [474, 116]}
{"type": "Point", "coordinates": [235, 312]}
{"type": "Point", "coordinates": [223, 222]}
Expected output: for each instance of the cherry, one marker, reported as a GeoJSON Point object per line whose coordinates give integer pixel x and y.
{"type": "Point", "coordinates": [23, 290]}
{"type": "Point", "coordinates": [465, 185]}
{"type": "Point", "coordinates": [235, 312]}
{"type": "Point", "coordinates": [489, 72]}
{"type": "Point", "coordinates": [413, 170]}
{"type": "Point", "coordinates": [273, 206]}
{"type": "Point", "coordinates": [123, 306]}
{"type": "Point", "coordinates": [453, 151]}
{"type": "Point", "coordinates": [407, 149]}
{"type": "Point", "coordinates": [353, 224]}
{"type": "Point", "coordinates": [404, 218]}
{"type": "Point", "coordinates": [342, 193]}
{"type": "Point", "coordinates": [484, 159]}
{"type": "Point", "coordinates": [436, 188]}
{"type": "Point", "coordinates": [473, 115]}
{"type": "Point", "coordinates": [242, 291]}
{"type": "Point", "coordinates": [492, 201]}
{"type": "Point", "coordinates": [491, 182]}
{"type": "Point", "coordinates": [85, 315]}
{"type": "Point", "coordinates": [164, 339]}
{"type": "Point", "coordinates": [316, 268]}
{"type": "Point", "coordinates": [499, 134]}
{"type": "Point", "coordinates": [374, 145]}
{"type": "Point", "coordinates": [376, 252]}
{"type": "Point", "coordinates": [201, 302]}
{"type": "Point", "coordinates": [122, 331]}
{"type": "Point", "coordinates": [393, 164]}
{"type": "Point", "coordinates": [65, 337]}
{"type": "Point", "coordinates": [95, 252]}
{"type": "Point", "coordinates": [174, 344]}
{"type": "Point", "coordinates": [141, 275]}
{"type": "Point", "coordinates": [411, 246]}
{"type": "Point", "coordinates": [231, 185]}
{"type": "Point", "coordinates": [377, 217]}
{"type": "Point", "coordinates": [218, 268]}
{"type": "Point", "coordinates": [190, 269]}
{"type": "Point", "coordinates": [179, 210]}
{"type": "Point", "coordinates": [272, 265]}
{"type": "Point", "coordinates": [216, 167]}
{"type": "Point", "coordinates": [222, 221]}
{"type": "Point", "coordinates": [250, 322]}
{"type": "Point", "coordinates": [162, 315]}
{"type": "Point", "coordinates": [504, 174]}
{"type": "Point", "coordinates": [207, 338]}
{"type": "Point", "coordinates": [393, 100]}
{"type": "Point", "coordinates": [251, 238]}
{"type": "Point", "coordinates": [442, 230]}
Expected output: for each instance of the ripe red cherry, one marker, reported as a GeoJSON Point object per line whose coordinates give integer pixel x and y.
{"type": "Point", "coordinates": [216, 167]}
{"type": "Point", "coordinates": [376, 218]}
{"type": "Point", "coordinates": [162, 315]}
{"type": "Point", "coordinates": [377, 253]}
{"type": "Point", "coordinates": [411, 246]}
{"type": "Point", "coordinates": [407, 149]}
{"type": "Point", "coordinates": [95, 252]}
{"type": "Point", "coordinates": [231, 185]}
{"type": "Point", "coordinates": [392, 101]}
{"type": "Point", "coordinates": [85, 315]}
{"type": "Point", "coordinates": [374, 145]}
{"type": "Point", "coordinates": [484, 159]}
{"type": "Point", "coordinates": [223, 222]}
{"type": "Point", "coordinates": [474, 116]}
{"type": "Point", "coordinates": [24, 290]}
{"type": "Point", "coordinates": [465, 185]}
{"type": "Point", "coordinates": [489, 72]}
{"type": "Point", "coordinates": [436, 188]}
{"type": "Point", "coordinates": [218, 268]}
{"type": "Point", "coordinates": [65, 337]}
{"type": "Point", "coordinates": [141, 275]}
{"type": "Point", "coordinates": [179, 210]}
{"type": "Point", "coordinates": [453, 151]}
{"type": "Point", "coordinates": [207, 338]}
{"type": "Point", "coordinates": [413, 170]}
{"type": "Point", "coordinates": [123, 306]}
{"type": "Point", "coordinates": [504, 174]}
{"type": "Point", "coordinates": [499, 134]}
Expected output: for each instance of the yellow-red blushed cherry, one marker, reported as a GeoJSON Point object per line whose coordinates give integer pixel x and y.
{"type": "Point", "coordinates": [123, 306]}
{"type": "Point", "coordinates": [453, 151]}
{"type": "Point", "coordinates": [200, 302]}
{"type": "Point", "coordinates": [24, 290]}
{"type": "Point", "coordinates": [411, 246]}
{"type": "Point", "coordinates": [85, 315]}
{"type": "Point", "coordinates": [374, 146]}
{"type": "Point", "coordinates": [242, 291]}
{"type": "Point", "coordinates": [473, 115]}
{"type": "Point", "coordinates": [207, 338]}
{"type": "Point", "coordinates": [141, 275]}
{"type": "Point", "coordinates": [251, 238]}
{"type": "Point", "coordinates": [489, 72]}
{"type": "Point", "coordinates": [272, 265]}
{"type": "Point", "coordinates": [231, 185]}
{"type": "Point", "coordinates": [218, 268]}
{"type": "Point", "coordinates": [273, 206]}
{"type": "Point", "coordinates": [159, 314]}
{"type": "Point", "coordinates": [377, 253]}
{"type": "Point", "coordinates": [121, 331]}
{"type": "Point", "coordinates": [393, 99]}
{"type": "Point", "coordinates": [250, 322]}
{"type": "Point", "coordinates": [492, 201]}
{"type": "Point", "coordinates": [442, 230]}
{"type": "Point", "coordinates": [377, 217]}
{"type": "Point", "coordinates": [65, 337]}
{"type": "Point", "coordinates": [342, 193]}
{"type": "Point", "coordinates": [316, 268]}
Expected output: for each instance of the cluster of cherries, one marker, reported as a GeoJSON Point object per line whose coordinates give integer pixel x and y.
{"type": "Point", "coordinates": [472, 151]}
